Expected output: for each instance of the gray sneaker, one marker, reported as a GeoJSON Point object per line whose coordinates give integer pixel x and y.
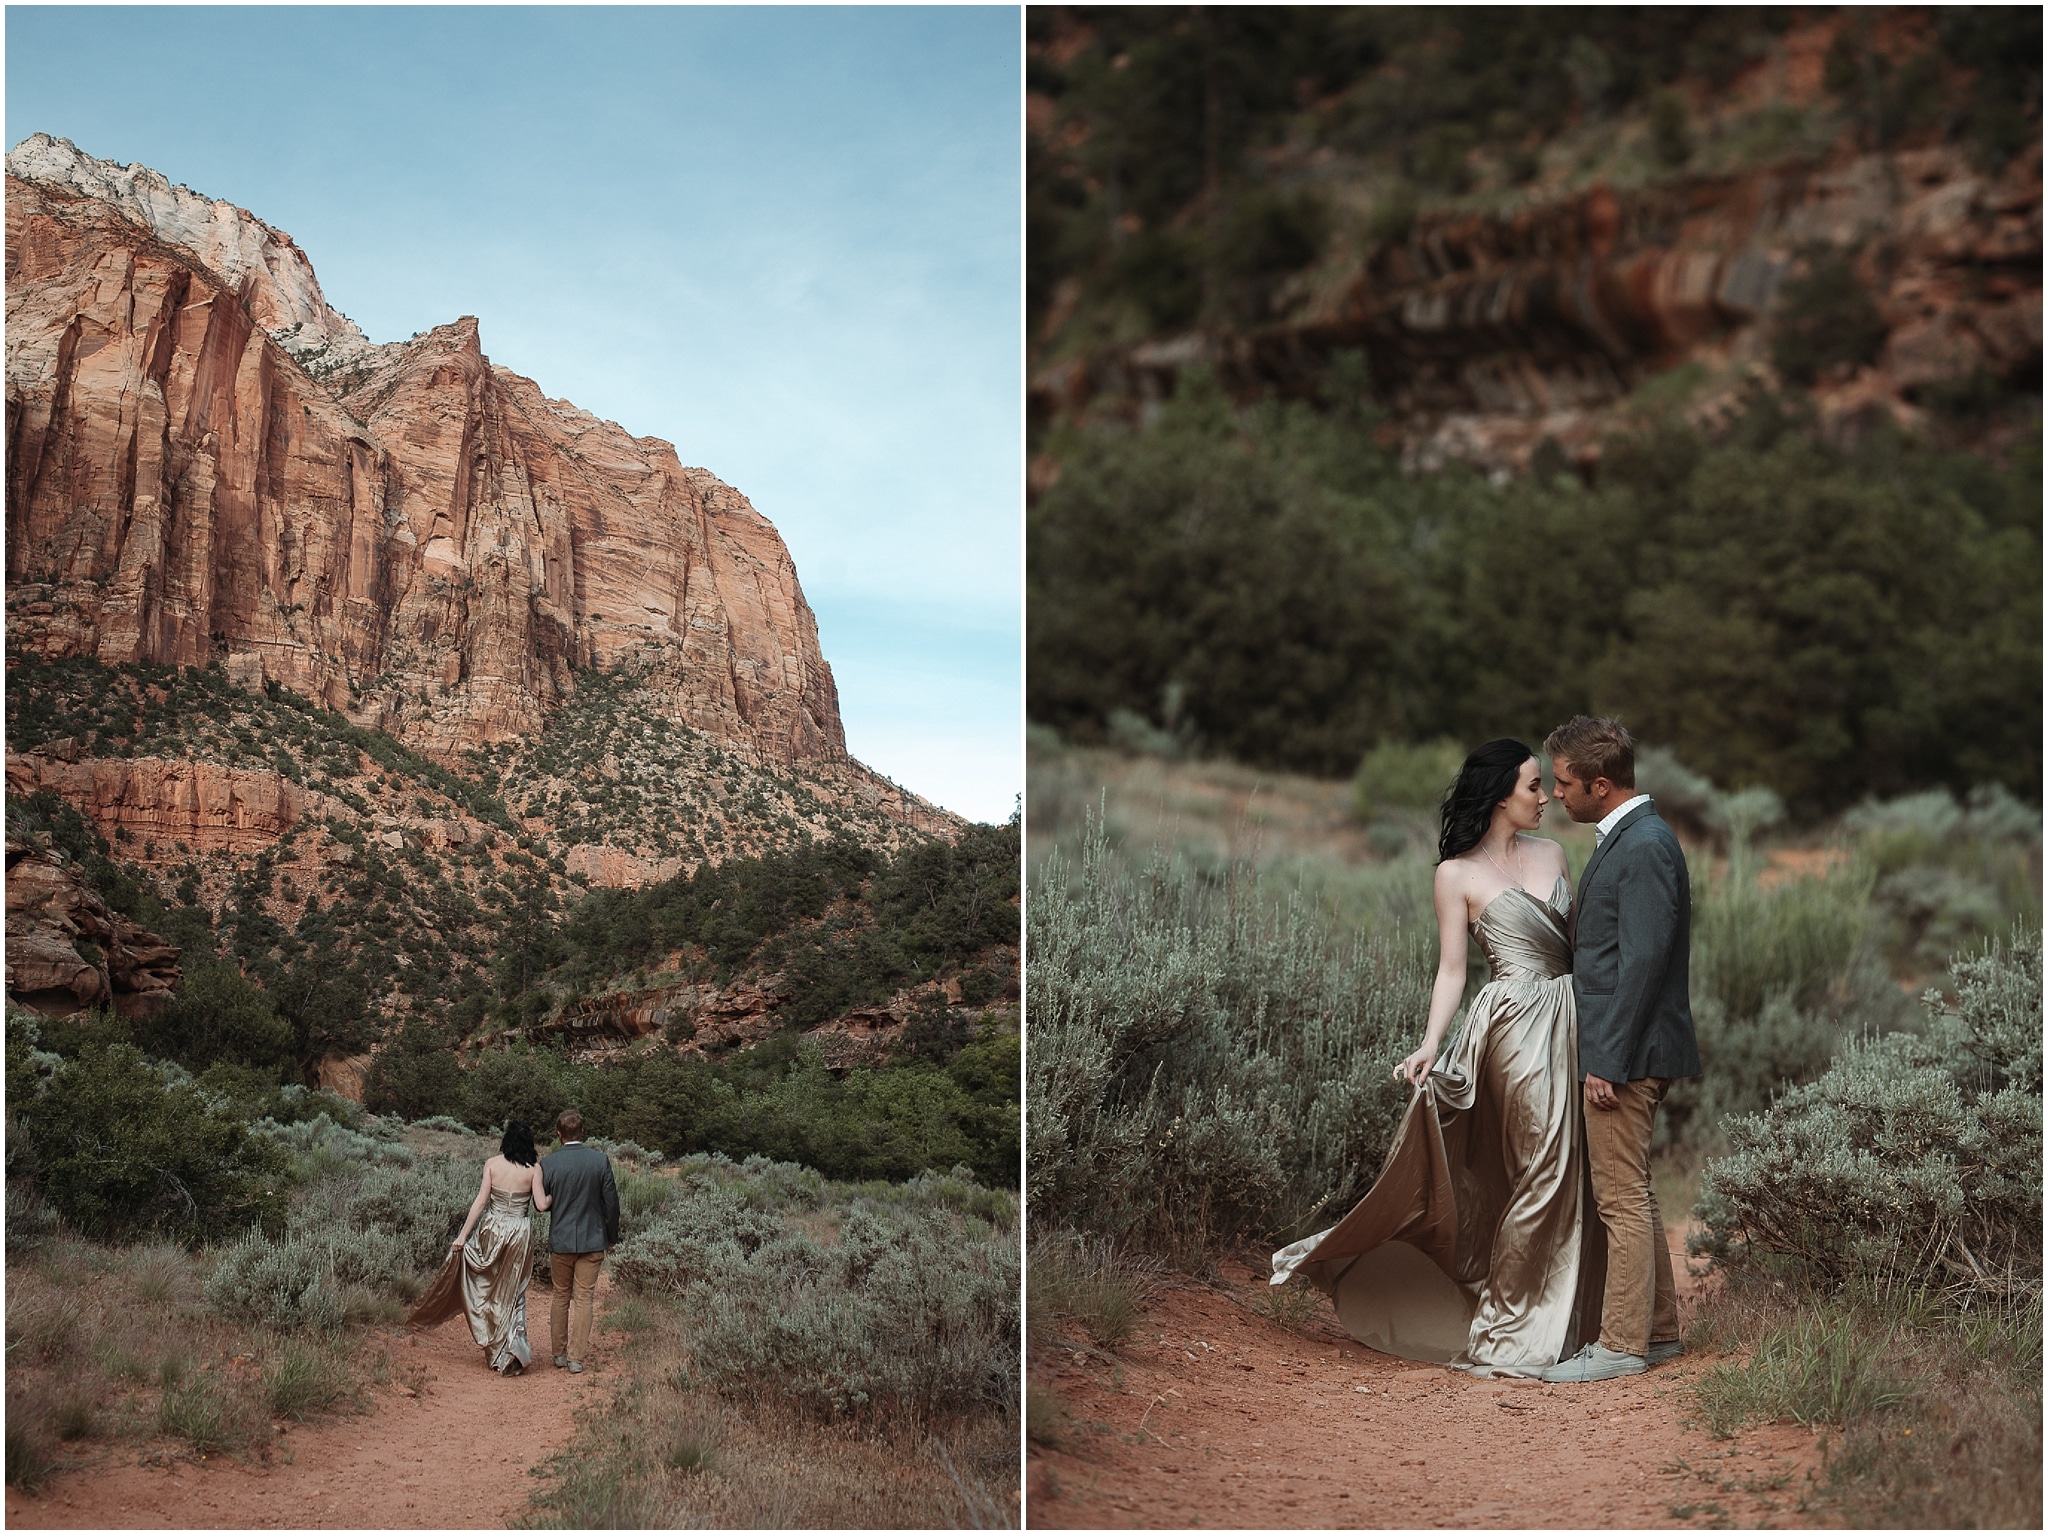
{"type": "Point", "coordinates": [561, 1361]}
{"type": "Point", "coordinates": [1596, 1363]}
{"type": "Point", "coordinates": [1664, 1353]}
{"type": "Point", "coordinates": [575, 1367]}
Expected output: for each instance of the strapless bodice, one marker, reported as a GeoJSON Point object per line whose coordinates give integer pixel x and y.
{"type": "Point", "coordinates": [1524, 937]}
{"type": "Point", "coordinates": [506, 1202]}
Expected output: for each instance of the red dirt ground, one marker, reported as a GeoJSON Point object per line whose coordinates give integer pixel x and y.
{"type": "Point", "coordinates": [454, 1456]}
{"type": "Point", "coordinates": [1215, 1416]}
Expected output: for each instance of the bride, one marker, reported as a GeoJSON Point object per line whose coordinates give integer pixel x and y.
{"type": "Point", "coordinates": [1472, 1247]}
{"type": "Point", "coordinates": [487, 1280]}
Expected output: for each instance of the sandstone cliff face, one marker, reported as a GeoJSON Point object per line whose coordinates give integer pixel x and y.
{"type": "Point", "coordinates": [206, 460]}
{"type": "Point", "coordinates": [51, 917]}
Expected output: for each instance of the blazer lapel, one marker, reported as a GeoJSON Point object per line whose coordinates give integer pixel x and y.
{"type": "Point", "coordinates": [1606, 842]}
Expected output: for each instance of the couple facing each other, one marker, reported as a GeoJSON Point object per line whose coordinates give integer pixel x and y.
{"type": "Point", "coordinates": [1513, 1229]}
{"type": "Point", "coordinates": [491, 1259]}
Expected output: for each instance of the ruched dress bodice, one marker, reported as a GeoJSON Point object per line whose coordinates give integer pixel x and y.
{"type": "Point", "coordinates": [1468, 1248]}
{"type": "Point", "coordinates": [1524, 938]}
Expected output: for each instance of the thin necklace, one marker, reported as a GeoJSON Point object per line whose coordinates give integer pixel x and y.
{"type": "Point", "coordinates": [1520, 876]}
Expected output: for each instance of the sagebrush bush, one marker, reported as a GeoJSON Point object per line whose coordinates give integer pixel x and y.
{"type": "Point", "coordinates": [1917, 1157]}
{"type": "Point", "coordinates": [691, 1239]}
{"type": "Point", "coordinates": [418, 1208]}
{"type": "Point", "coordinates": [1205, 1062]}
{"type": "Point", "coordinates": [320, 1142]}
{"type": "Point", "coordinates": [1950, 873]}
{"type": "Point", "coordinates": [288, 1284]}
{"type": "Point", "coordinates": [911, 1311]}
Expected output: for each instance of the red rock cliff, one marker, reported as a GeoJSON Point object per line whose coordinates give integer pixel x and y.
{"type": "Point", "coordinates": [205, 459]}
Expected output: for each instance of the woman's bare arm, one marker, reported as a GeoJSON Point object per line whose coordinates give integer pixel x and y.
{"type": "Point", "coordinates": [476, 1208]}
{"type": "Point", "coordinates": [541, 1198]}
{"type": "Point", "coordinates": [1449, 990]}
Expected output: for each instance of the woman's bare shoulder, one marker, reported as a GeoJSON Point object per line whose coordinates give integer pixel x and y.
{"type": "Point", "coordinates": [1544, 848]}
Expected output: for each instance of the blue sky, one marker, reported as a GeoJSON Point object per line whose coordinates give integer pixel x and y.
{"type": "Point", "coordinates": [786, 240]}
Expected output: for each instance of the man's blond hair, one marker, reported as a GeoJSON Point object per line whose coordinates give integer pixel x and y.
{"type": "Point", "coordinates": [1595, 748]}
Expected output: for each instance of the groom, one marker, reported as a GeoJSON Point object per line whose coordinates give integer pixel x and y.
{"type": "Point", "coordinates": [1632, 926]}
{"type": "Point", "coordinates": [583, 1221]}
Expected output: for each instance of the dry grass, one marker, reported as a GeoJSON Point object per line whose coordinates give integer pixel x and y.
{"type": "Point", "coordinates": [1930, 1417]}
{"type": "Point", "coordinates": [1100, 1284]}
{"type": "Point", "coordinates": [113, 1345]}
{"type": "Point", "coordinates": [660, 1454]}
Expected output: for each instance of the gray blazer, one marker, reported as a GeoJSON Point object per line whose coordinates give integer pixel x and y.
{"type": "Point", "coordinates": [1632, 934]}
{"type": "Point", "coordinates": [583, 1200]}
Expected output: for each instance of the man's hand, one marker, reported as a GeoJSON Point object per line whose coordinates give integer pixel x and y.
{"type": "Point", "coordinates": [1599, 1093]}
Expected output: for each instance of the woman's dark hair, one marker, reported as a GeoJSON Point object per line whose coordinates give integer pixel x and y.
{"type": "Point", "coordinates": [1487, 778]}
{"type": "Point", "coordinates": [517, 1146]}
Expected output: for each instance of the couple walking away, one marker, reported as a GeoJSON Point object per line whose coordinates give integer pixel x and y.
{"type": "Point", "coordinates": [1513, 1229]}
{"type": "Point", "coordinates": [491, 1259]}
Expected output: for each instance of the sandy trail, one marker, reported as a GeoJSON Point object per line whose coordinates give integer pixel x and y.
{"type": "Point", "coordinates": [1214, 1416]}
{"type": "Point", "coordinates": [454, 1456]}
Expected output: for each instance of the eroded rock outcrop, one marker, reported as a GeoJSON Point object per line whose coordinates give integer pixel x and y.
{"type": "Point", "coordinates": [207, 460]}
{"type": "Point", "coordinates": [66, 950]}
{"type": "Point", "coordinates": [1489, 332]}
{"type": "Point", "coordinates": [209, 808]}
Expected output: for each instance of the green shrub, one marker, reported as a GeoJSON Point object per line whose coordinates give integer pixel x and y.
{"type": "Point", "coordinates": [1398, 776]}
{"type": "Point", "coordinates": [520, 1083]}
{"type": "Point", "coordinates": [1950, 874]}
{"type": "Point", "coordinates": [642, 1197]}
{"type": "Point", "coordinates": [217, 1014]}
{"type": "Point", "coordinates": [1826, 320]}
{"type": "Point", "coordinates": [1793, 940]}
{"type": "Point", "coordinates": [416, 1075]}
{"type": "Point", "coordinates": [1204, 1064]}
{"type": "Point", "coordinates": [288, 1284]}
{"type": "Point", "coordinates": [121, 1149]}
{"type": "Point", "coordinates": [1914, 1157]}
{"type": "Point", "coordinates": [694, 1237]}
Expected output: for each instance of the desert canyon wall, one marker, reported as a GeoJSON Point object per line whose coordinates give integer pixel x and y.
{"type": "Point", "coordinates": [207, 461]}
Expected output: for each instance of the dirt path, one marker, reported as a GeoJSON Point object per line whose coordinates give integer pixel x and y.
{"type": "Point", "coordinates": [1216, 1416]}
{"type": "Point", "coordinates": [452, 1454]}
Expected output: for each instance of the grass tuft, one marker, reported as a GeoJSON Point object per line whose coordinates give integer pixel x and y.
{"type": "Point", "coordinates": [303, 1380]}
{"type": "Point", "coordinates": [1093, 1281]}
{"type": "Point", "coordinates": [29, 1462]}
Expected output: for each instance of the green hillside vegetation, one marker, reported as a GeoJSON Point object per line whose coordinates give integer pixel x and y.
{"type": "Point", "coordinates": [332, 941]}
{"type": "Point", "coordinates": [259, 1005]}
{"type": "Point", "coordinates": [1268, 585]}
{"type": "Point", "coordinates": [609, 769]}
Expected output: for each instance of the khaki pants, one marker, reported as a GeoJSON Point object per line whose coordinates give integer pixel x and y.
{"type": "Point", "coordinates": [1641, 1303]}
{"type": "Point", "coordinates": [569, 1321]}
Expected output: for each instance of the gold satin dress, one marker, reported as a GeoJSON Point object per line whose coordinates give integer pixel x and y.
{"type": "Point", "coordinates": [486, 1280]}
{"type": "Point", "coordinates": [1478, 1245]}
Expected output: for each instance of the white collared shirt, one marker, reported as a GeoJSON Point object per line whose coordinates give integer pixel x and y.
{"type": "Point", "coordinates": [1613, 817]}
